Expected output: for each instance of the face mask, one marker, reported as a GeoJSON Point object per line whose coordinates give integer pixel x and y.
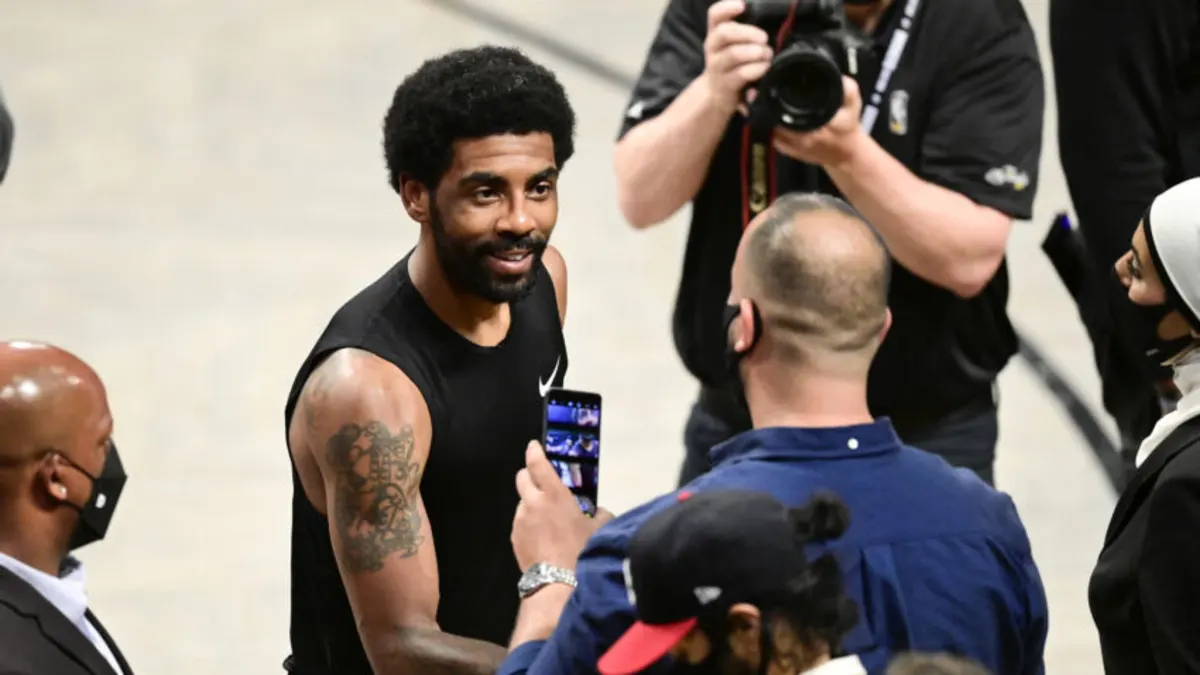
{"type": "Point", "coordinates": [733, 358]}
{"type": "Point", "coordinates": [97, 513]}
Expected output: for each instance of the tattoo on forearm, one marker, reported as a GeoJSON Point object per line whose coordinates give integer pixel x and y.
{"type": "Point", "coordinates": [375, 508]}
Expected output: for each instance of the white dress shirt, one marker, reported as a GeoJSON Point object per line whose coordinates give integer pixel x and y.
{"type": "Point", "coordinates": [68, 597]}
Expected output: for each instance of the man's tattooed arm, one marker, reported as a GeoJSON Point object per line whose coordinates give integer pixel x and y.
{"type": "Point", "coordinates": [375, 499]}
{"type": "Point", "coordinates": [372, 447]}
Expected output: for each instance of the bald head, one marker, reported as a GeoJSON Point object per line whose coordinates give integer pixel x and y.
{"type": "Point", "coordinates": [819, 275]}
{"type": "Point", "coordinates": [49, 399]}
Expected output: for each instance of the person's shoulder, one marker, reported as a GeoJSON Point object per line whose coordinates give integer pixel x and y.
{"type": "Point", "coordinates": [959, 486]}
{"type": "Point", "coordinates": [620, 530]}
{"type": "Point", "coordinates": [1186, 465]}
{"type": "Point", "coordinates": [979, 14]}
{"type": "Point", "coordinates": [974, 25]}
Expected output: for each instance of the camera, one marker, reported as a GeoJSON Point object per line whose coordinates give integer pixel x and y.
{"type": "Point", "coordinates": [803, 90]}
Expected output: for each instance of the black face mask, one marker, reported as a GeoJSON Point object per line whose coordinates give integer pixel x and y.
{"type": "Point", "coordinates": [96, 515]}
{"type": "Point", "coordinates": [733, 358]}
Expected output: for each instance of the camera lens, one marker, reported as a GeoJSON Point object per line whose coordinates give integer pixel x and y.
{"type": "Point", "coordinates": [807, 86]}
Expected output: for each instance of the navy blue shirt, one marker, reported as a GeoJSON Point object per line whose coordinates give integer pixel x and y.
{"type": "Point", "coordinates": [935, 559]}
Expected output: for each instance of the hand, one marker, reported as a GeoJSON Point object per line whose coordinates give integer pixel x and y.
{"type": "Point", "coordinates": [549, 527]}
{"type": "Point", "coordinates": [833, 143]}
{"type": "Point", "coordinates": [735, 54]}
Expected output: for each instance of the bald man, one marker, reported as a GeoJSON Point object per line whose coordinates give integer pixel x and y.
{"type": "Point", "coordinates": [936, 559]}
{"type": "Point", "coordinates": [60, 479]}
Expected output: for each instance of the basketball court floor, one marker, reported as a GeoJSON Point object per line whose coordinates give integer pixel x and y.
{"type": "Point", "coordinates": [197, 185]}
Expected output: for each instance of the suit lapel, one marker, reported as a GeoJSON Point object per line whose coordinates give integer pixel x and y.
{"type": "Point", "coordinates": [112, 645]}
{"type": "Point", "coordinates": [25, 600]}
{"type": "Point", "coordinates": [1184, 437]}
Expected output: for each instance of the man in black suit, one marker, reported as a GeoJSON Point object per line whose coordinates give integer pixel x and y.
{"type": "Point", "coordinates": [60, 478]}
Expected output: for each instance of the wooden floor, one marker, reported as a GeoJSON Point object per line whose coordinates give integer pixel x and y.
{"type": "Point", "coordinates": [197, 184]}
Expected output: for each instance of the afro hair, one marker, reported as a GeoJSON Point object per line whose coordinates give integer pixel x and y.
{"type": "Point", "coordinates": [468, 94]}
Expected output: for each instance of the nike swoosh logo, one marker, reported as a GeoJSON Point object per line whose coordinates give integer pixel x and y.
{"type": "Point", "coordinates": [544, 387]}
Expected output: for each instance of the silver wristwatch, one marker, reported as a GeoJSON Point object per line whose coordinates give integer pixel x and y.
{"type": "Point", "coordinates": [542, 574]}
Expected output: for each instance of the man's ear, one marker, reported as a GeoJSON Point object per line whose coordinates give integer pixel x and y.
{"type": "Point", "coordinates": [50, 479]}
{"type": "Point", "coordinates": [416, 198]}
{"type": "Point", "coordinates": [746, 327]}
{"type": "Point", "coordinates": [745, 638]}
{"type": "Point", "coordinates": [887, 324]}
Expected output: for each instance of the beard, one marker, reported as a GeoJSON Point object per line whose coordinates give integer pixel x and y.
{"type": "Point", "coordinates": [464, 262]}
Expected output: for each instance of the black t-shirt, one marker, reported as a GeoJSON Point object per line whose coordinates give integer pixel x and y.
{"type": "Point", "coordinates": [963, 110]}
{"type": "Point", "coordinates": [485, 409]}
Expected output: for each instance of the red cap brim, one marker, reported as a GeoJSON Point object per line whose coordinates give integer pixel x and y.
{"type": "Point", "coordinates": [641, 646]}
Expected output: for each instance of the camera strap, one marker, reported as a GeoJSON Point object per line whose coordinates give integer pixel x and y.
{"type": "Point", "coordinates": [759, 179]}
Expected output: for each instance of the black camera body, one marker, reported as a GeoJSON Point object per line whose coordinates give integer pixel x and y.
{"type": "Point", "coordinates": [803, 89]}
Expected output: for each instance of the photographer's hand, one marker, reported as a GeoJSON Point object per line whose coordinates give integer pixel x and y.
{"type": "Point", "coordinates": [735, 54]}
{"type": "Point", "coordinates": [833, 143]}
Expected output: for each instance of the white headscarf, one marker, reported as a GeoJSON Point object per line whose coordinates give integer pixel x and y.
{"type": "Point", "coordinates": [1172, 228]}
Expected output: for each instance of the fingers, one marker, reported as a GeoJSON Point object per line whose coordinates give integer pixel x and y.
{"type": "Point", "coordinates": [723, 11]}
{"type": "Point", "coordinates": [538, 467]}
{"type": "Point", "coordinates": [851, 92]}
{"type": "Point", "coordinates": [731, 57]}
{"type": "Point", "coordinates": [734, 33]}
{"type": "Point", "coordinates": [525, 485]}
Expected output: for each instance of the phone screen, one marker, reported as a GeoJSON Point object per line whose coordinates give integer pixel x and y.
{"type": "Point", "coordinates": [572, 442]}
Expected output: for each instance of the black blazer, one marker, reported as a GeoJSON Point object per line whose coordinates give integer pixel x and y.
{"type": "Point", "coordinates": [1145, 590]}
{"type": "Point", "coordinates": [36, 639]}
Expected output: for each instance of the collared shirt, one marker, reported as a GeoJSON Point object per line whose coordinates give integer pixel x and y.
{"type": "Point", "coordinates": [935, 559]}
{"type": "Point", "coordinates": [67, 595]}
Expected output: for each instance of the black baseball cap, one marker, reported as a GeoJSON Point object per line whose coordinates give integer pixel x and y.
{"type": "Point", "coordinates": [699, 557]}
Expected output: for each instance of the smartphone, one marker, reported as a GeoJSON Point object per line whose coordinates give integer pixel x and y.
{"type": "Point", "coordinates": [571, 437]}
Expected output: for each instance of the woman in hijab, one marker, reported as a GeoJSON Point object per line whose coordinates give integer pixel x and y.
{"type": "Point", "coordinates": [1145, 590]}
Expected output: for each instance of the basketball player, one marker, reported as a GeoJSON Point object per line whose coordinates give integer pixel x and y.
{"type": "Point", "coordinates": [408, 422]}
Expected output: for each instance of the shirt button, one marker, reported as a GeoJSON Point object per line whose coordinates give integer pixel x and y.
{"type": "Point", "coordinates": [852, 443]}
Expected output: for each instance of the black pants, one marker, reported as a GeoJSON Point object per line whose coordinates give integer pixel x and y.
{"type": "Point", "coordinates": [965, 438]}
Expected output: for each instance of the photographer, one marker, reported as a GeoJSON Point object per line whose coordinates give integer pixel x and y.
{"type": "Point", "coordinates": [940, 154]}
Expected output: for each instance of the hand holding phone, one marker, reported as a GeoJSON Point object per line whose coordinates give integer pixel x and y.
{"type": "Point", "coordinates": [571, 438]}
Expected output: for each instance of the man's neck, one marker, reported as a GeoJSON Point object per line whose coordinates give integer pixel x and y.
{"type": "Point", "coordinates": [867, 17]}
{"type": "Point", "coordinates": [813, 401]}
{"type": "Point", "coordinates": [474, 318]}
{"type": "Point", "coordinates": [33, 556]}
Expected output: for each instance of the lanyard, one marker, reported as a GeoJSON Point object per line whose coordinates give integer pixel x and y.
{"type": "Point", "coordinates": [759, 184]}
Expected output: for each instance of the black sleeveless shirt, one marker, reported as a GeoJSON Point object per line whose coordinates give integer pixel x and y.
{"type": "Point", "coordinates": [486, 405]}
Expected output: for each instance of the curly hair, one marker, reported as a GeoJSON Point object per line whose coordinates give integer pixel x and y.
{"type": "Point", "coordinates": [815, 603]}
{"type": "Point", "coordinates": [466, 94]}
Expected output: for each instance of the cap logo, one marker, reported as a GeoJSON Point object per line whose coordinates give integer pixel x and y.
{"type": "Point", "coordinates": [706, 594]}
{"type": "Point", "coordinates": [682, 496]}
{"type": "Point", "coordinates": [625, 568]}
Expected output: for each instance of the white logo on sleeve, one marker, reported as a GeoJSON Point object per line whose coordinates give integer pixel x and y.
{"type": "Point", "coordinates": [101, 500]}
{"type": "Point", "coordinates": [1007, 175]}
{"type": "Point", "coordinates": [636, 109]}
{"type": "Point", "coordinates": [544, 387]}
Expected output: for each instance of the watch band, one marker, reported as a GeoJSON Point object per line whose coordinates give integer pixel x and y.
{"type": "Point", "coordinates": [543, 574]}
